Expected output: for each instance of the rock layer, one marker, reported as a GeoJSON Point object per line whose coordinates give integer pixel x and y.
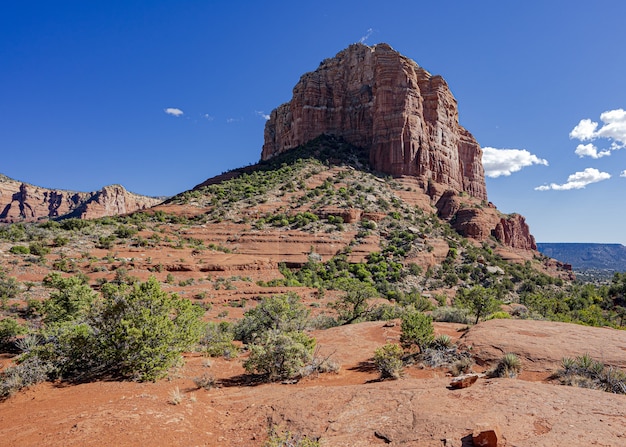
{"type": "Point", "coordinates": [375, 98]}
{"type": "Point", "coordinates": [23, 202]}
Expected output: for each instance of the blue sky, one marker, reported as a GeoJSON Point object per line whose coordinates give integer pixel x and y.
{"type": "Point", "coordinates": [85, 88]}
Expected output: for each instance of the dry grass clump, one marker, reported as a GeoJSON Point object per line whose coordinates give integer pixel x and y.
{"type": "Point", "coordinates": [509, 366]}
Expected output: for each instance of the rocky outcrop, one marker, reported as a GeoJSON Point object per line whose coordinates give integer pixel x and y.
{"type": "Point", "coordinates": [479, 221]}
{"type": "Point", "coordinates": [23, 202]}
{"type": "Point", "coordinates": [375, 98]}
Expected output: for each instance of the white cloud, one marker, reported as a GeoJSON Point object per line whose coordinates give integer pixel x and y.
{"type": "Point", "coordinates": [578, 180]}
{"type": "Point", "coordinates": [207, 117]}
{"type": "Point", "coordinates": [173, 111]}
{"type": "Point", "coordinates": [613, 128]}
{"type": "Point", "coordinates": [585, 130]}
{"type": "Point", "coordinates": [623, 173]}
{"type": "Point", "coordinates": [262, 115]}
{"type": "Point", "coordinates": [497, 162]}
{"type": "Point", "coordinates": [366, 36]}
{"type": "Point", "coordinates": [589, 150]}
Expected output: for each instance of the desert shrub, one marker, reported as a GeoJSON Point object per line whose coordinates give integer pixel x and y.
{"type": "Point", "coordinates": [9, 288]}
{"type": "Point", "coordinates": [451, 315]}
{"type": "Point", "coordinates": [462, 366]}
{"type": "Point", "coordinates": [60, 240]}
{"type": "Point", "coordinates": [217, 340]}
{"type": "Point", "coordinates": [19, 250]}
{"type": "Point", "coordinates": [9, 330]}
{"type": "Point", "coordinates": [320, 365]}
{"type": "Point", "coordinates": [142, 331]}
{"type": "Point", "coordinates": [27, 373]}
{"type": "Point", "coordinates": [38, 249]}
{"type": "Point", "coordinates": [322, 321]}
{"type": "Point", "coordinates": [135, 332]}
{"type": "Point", "coordinates": [124, 232]}
{"type": "Point", "coordinates": [585, 372]}
{"type": "Point", "coordinates": [279, 355]}
{"type": "Point", "coordinates": [442, 342]}
{"type": "Point", "coordinates": [71, 300]}
{"type": "Point", "coordinates": [74, 224]}
{"type": "Point", "coordinates": [289, 439]}
{"type": "Point", "coordinates": [388, 361]}
{"type": "Point", "coordinates": [500, 315]}
{"type": "Point", "coordinates": [508, 366]}
{"type": "Point", "coordinates": [105, 242]}
{"type": "Point", "coordinates": [206, 381]}
{"type": "Point", "coordinates": [284, 313]}
{"type": "Point", "coordinates": [417, 330]}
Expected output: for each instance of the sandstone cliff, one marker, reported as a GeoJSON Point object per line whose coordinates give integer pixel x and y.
{"type": "Point", "coordinates": [23, 202]}
{"type": "Point", "coordinates": [377, 99]}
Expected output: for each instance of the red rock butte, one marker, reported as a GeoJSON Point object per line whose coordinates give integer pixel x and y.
{"type": "Point", "coordinates": [380, 100]}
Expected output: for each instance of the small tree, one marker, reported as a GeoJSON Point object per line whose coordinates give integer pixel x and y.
{"type": "Point", "coordinates": [479, 300]}
{"type": "Point", "coordinates": [354, 305]}
{"type": "Point", "coordinates": [417, 330]}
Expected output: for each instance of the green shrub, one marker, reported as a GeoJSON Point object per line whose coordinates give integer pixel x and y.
{"type": "Point", "coordinates": [500, 315]}
{"type": "Point", "coordinates": [417, 330]}
{"type": "Point", "coordinates": [19, 250]}
{"type": "Point", "coordinates": [142, 331]}
{"type": "Point", "coordinates": [218, 340]}
{"type": "Point", "coordinates": [9, 288]}
{"type": "Point", "coordinates": [9, 330]}
{"type": "Point", "coordinates": [38, 249]}
{"type": "Point", "coordinates": [279, 355]}
{"type": "Point", "coordinates": [71, 300]}
{"type": "Point", "coordinates": [284, 313]}
{"type": "Point", "coordinates": [135, 332]}
{"type": "Point", "coordinates": [451, 315]}
{"type": "Point", "coordinates": [388, 361]}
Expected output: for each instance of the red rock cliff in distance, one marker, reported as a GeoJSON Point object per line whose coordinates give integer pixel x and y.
{"type": "Point", "coordinates": [380, 100]}
{"type": "Point", "coordinates": [375, 98]}
{"type": "Point", "coordinates": [23, 202]}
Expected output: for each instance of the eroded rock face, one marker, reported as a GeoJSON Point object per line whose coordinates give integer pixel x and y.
{"type": "Point", "coordinates": [23, 202]}
{"type": "Point", "coordinates": [375, 98]}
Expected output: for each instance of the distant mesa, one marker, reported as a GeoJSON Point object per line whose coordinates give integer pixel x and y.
{"type": "Point", "coordinates": [407, 119]}
{"type": "Point", "coordinates": [21, 202]}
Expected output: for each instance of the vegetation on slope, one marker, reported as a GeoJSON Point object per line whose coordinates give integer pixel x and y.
{"type": "Point", "coordinates": [92, 323]}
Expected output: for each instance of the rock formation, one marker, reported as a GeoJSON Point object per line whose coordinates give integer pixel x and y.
{"type": "Point", "coordinates": [377, 99]}
{"type": "Point", "coordinates": [23, 202]}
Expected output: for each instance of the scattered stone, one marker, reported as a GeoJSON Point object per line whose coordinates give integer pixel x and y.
{"type": "Point", "coordinates": [464, 381]}
{"type": "Point", "coordinates": [487, 435]}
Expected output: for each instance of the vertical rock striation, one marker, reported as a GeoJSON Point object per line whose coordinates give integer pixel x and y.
{"type": "Point", "coordinates": [375, 98]}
